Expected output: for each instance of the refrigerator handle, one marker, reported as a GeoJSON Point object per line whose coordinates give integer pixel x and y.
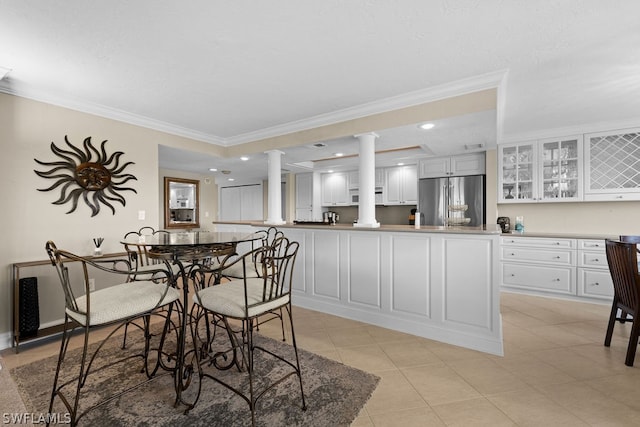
{"type": "Point", "coordinates": [445, 192]}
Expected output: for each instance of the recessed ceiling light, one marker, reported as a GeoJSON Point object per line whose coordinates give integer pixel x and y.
{"type": "Point", "coordinates": [338, 154]}
{"type": "Point", "coordinates": [244, 158]}
{"type": "Point", "coordinates": [230, 179]}
{"type": "Point", "coordinates": [400, 164]}
{"type": "Point", "coordinates": [330, 171]}
{"type": "Point", "coordinates": [426, 126]}
{"type": "Point", "coordinates": [213, 169]}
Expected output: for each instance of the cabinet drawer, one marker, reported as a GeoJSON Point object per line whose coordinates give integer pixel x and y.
{"type": "Point", "coordinates": [595, 283]}
{"type": "Point", "coordinates": [559, 257]}
{"type": "Point", "coordinates": [593, 259]}
{"type": "Point", "coordinates": [541, 242]}
{"type": "Point", "coordinates": [542, 278]}
{"type": "Point", "coordinates": [591, 245]}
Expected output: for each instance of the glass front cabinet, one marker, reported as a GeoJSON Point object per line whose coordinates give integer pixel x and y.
{"type": "Point", "coordinates": [548, 170]}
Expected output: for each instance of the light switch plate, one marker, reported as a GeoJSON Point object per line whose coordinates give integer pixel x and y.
{"type": "Point", "coordinates": [141, 215]}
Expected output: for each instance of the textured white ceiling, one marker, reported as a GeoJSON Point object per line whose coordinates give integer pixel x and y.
{"type": "Point", "coordinates": [226, 71]}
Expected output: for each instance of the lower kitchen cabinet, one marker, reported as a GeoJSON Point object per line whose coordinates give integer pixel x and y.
{"type": "Point", "coordinates": [572, 268]}
{"type": "Point", "coordinates": [539, 264]}
{"type": "Point", "coordinates": [594, 280]}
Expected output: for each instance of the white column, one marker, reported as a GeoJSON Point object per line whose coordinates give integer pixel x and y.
{"type": "Point", "coordinates": [274, 200]}
{"type": "Point", "coordinates": [367, 188]}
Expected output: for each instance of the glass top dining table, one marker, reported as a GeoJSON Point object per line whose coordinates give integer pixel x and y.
{"type": "Point", "coordinates": [185, 245]}
{"type": "Point", "coordinates": [191, 248]}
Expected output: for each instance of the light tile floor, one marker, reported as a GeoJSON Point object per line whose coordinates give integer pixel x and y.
{"type": "Point", "coordinates": [555, 370]}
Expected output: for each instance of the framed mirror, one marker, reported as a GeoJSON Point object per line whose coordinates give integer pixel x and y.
{"type": "Point", "coordinates": [181, 203]}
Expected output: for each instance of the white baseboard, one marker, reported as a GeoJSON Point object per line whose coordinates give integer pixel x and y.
{"type": "Point", "coordinates": [5, 340]}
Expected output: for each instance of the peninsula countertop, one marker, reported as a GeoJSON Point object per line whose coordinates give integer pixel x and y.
{"type": "Point", "coordinates": [485, 229]}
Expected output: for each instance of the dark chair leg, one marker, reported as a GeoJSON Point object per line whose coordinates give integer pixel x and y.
{"type": "Point", "coordinates": [282, 324]}
{"type": "Point", "coordinates": [295, 348]}
{"type": "Point", "coordinates": [66, 336]}
{"type": "Point", "coordinates": [612, 321]}
{"type": "Point", "coordinates": [633, 342]}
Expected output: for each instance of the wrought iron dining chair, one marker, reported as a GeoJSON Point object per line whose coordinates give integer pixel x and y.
{"type": "Point", "coordinates": [143, 265]}
{"type": "Point", "coordinates": [139, 255]}
{"type": "Point", "coordinates": [235, 271]}
{"type": "Point", "coordinates": [245, 300]}
{"type": "Point", "coordinates": [623, 266]}
{"type": "Point", "coordinates": [114, 305]}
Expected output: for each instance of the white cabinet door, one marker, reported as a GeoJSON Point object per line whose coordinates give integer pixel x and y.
{"type": "Point", "coordinates": [304, 191]}
{"type": "Point", "coordinates": [379, 178]}
{"type": "Point", "coordinates": [461, 165]}
{"type": "Point", "coordinates": [335, 191]}
{"type": "Point", "coordinates": [611, 165]}
{"type": "Point", "coordinates": [468, 164]}
{"type": "Point", "coordinates": [546, 170]}
{"type": "Point", "coordinates": [435, 167]}
{"type": "Point", "coordinates": [560, 169]}
{"type": "Point", "coordinates": [354, 180]}
{"type": "Point", "coordinates": [517, 173]}
{"type": "Point", "coordinates": [402, 185]}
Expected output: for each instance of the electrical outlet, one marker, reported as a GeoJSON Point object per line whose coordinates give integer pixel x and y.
{"type": "Point", "coordinates": [92, 284]}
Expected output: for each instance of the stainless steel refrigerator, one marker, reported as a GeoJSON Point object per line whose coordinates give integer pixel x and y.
{"type": "Point", "coordinates": [455, 201]}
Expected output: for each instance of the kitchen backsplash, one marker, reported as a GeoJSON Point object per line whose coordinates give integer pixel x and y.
{"type": "Point", "coordinates": [387, 215]}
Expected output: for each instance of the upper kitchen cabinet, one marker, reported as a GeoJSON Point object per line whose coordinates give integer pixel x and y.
{"type": "Point", "coordinates": [304, 197]}
{"type": "Point", "coordinates": [560, 169]}
{"type": "Point", "coordinates": [335, 189]}
{"type": "Point", "coordinates": [463, 164]}
{"type": "Point", "coordinates": [354, 179]}
{"type": "Point", "coordinates": [401, 185]}
{"type": "Point", "coordinates": [548, 170]}
{"type": "Point", "coordinates": [612, 170]}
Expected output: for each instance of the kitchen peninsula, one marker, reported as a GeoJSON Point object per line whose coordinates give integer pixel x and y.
{"type": "Point", "coordinates": [441, 283]}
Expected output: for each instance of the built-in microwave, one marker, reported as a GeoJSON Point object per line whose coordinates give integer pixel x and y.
{"type": "Point", "coordinates": [354, 197]}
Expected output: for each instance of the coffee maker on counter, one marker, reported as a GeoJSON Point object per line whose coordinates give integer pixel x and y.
{"type": "Point", "coordinates": [330, 217]}
{"type": "Point", "coordinates": [504, 223]}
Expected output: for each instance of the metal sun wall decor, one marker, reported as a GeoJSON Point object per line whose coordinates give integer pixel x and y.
{"type": "Point", "coordinates": [98, 180]}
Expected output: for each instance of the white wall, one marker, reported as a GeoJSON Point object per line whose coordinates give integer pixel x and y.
{"type": "Point", "coordinates": [27, 129]}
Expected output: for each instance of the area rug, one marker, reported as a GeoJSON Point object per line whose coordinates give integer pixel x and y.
{"type": "Point", "coordinates": [335, 393]}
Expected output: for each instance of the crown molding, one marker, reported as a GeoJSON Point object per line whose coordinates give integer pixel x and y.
{"type": "Point", "coordinates": [10, 88]}
{"type": "Point", "coordinates": [460, 87]}
{"type": "Point", "coordinates": [435, 93]}
{"type": "Point", "coordinates": [571, 130]}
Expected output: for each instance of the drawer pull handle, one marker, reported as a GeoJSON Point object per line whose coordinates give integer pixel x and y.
{"type": "Point", "coordinates": [513, 275]}
{"type": "Point", "coordinates": [557, 257]}
{"type": "Point", "coordinates": [512, 254]}
{"type": "Point", "coordinates": [596, 260]}
{"type": "Point", "coordinates": [557, 243]}
{"type": "Point", "coordinates": [556, 280]}
{"type": "Point", "coordinates": [596, 284]}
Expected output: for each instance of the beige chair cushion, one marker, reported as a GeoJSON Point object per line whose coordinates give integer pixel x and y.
{"type": "Point", "coordinates": [139, 274]}
{"type": "Point", "coordinates": [236, 271]}
{"type": "Point", "coordinates": [227, 298]}
{"type": "Point", "coordinates": [123, 301]}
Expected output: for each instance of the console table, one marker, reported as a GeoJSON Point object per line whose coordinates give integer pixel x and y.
{"type": "Point", "coordinates": [50, 330]}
